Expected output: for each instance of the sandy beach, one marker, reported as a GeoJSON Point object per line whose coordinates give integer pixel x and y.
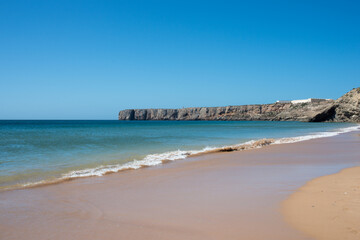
{"type": "Point", "coordinates": [236, 195]}
{"type": "Point", "coordinates": [327, 207]}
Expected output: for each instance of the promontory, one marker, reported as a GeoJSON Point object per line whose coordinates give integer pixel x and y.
{"type": "Point", "coordinates": [344, 109]}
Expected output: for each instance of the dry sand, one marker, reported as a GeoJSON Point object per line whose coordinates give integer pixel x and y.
{"type": "Point", "coordinates": [233, 195]}
{"type": "Point", "coordinates": [327, 208]}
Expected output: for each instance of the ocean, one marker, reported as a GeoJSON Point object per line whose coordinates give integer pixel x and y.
{"type": "Point", "coordinates": [37, 152]}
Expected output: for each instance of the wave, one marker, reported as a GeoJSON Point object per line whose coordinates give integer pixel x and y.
{"type": "Point", "coordinates": [157, 159]}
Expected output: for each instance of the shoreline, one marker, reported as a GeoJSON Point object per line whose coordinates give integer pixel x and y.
{"type": "Point", "coordinates": [327, 207]}
{"type": "Point", "coordinates": [166, 157]}
{"type": "Point", "coordinates": [216, 196]}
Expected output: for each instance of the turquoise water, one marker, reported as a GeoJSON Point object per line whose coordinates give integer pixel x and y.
{"type": "Point", "coordinates": [33, 151]}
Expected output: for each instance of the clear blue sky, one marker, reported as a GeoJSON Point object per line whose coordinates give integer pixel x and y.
{"type": "Point", "coordinates": [90, 59]}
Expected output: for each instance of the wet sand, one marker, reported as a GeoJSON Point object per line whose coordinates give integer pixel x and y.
{"type": "Point", "coordinates": [328, 207]}
{"type": "Point", "coordinates": [233, 195]}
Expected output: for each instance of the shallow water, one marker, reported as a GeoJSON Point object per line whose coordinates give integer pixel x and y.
{"type": "Point", "coordinates": [33, 151]}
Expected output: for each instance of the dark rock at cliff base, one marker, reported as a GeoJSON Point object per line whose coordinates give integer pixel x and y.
{"type": "Point", "coordinates": [344, 109]}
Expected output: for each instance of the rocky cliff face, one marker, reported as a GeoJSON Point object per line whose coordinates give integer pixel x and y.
{"type": "Point", "coordinates": [244, 112]}
{"type": "Point", "coordinates": [345, 109]}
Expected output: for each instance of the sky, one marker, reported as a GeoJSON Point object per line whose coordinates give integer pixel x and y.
{"type": "Point", "coordinates": [90, 59]}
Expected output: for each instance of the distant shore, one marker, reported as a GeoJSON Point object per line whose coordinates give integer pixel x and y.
{"type": "Point", "coordinates": [234, 195]}
{"type": "Point", "coordinates": [344, 109]}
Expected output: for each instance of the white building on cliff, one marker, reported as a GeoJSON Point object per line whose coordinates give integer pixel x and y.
{"type": "Point", "coordinates": [308, 100]}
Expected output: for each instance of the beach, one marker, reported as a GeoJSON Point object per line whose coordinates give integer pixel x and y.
{"type": "Point", "coordinates": [332, 203]}
{"type": "Point", "coordinates": [235, 195]}
{"type": "Point", "coordinates": [179, 120]}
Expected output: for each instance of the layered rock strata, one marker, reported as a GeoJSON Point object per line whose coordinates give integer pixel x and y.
{"type": "Point", "coordinates": [344, 109]}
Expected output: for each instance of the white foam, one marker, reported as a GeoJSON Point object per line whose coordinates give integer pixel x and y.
{"type": "Point", "coordinates": [317, 135]}
{"type": "Point", "coordinates": [149, 160]}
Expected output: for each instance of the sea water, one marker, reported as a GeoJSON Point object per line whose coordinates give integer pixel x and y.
{"type": "Point", "coordinates": [35, 152]}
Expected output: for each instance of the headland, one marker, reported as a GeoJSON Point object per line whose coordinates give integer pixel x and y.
{"type": "Point", "coordinates": [344, 109]}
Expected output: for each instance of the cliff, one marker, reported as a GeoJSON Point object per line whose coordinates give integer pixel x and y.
{"type": "Point", "coordinates": [347, 108]}
{"type": "Point", "coordinates": [344, 109]}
